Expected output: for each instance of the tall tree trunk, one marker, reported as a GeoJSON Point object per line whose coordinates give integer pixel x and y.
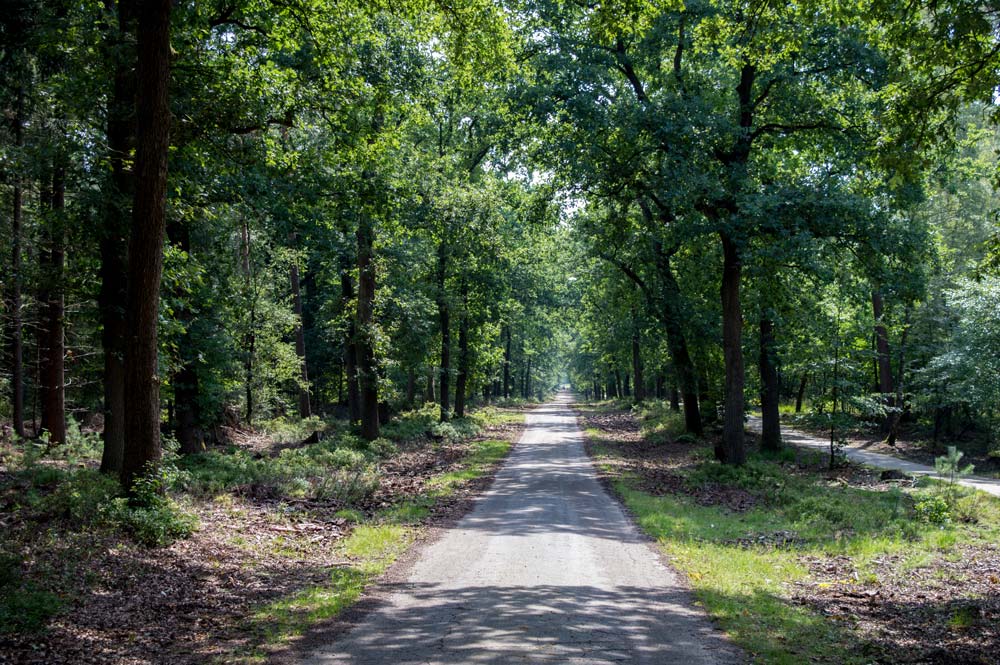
{"type": "Point", "coordinates": [883, 361]}
{"type": "Point", "coordinates": [305, 408]}
{"type": "Point", "coordinates": [142, 383]}
{"type": "Point", "coordinates": [639, 388]}
{"type": "Point", "coordinates": [350, 350]}
{"type": "Point", "coordinates": [732, 449]}
{"type": "Point", "coordinates": [51, 322]}
{"type": "Point", "coordinates": [462, 378]}
{"type": "Point", "coordinates": [367, 369]}
{"type": "Point", "coordinates": [186, 411]}
{"type": "Point", "coordinates": [444, 320]}
{"type": "Point", "coordinates": [114, 235]}
{"type": "Point", "coordinates": [14, 295]}
{"type": "Point", "coordinates": [627, 386]}
{"type": "Point", "coordinates": [675, 401]}
{"type": "Point", "coordinates": [619, 391]}
{"type": "Point", "coordinates": [411, 387]}
{"type": "Point", "coordinates": [770, 438]}
{"type": "Point", "coordinates": [801, 394]}
{"type": "Point", "coordinates": [897, 414]}
{"type": "Point", "coordinates": [429, 395]}
{"type": "Point", "coordinates": [506, 363]}
{"type": "Point", "coordinates": [250, 339]}
{"type": "Point", "coordinates": [677, 342]}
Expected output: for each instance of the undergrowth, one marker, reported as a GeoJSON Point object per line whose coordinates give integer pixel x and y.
{"type": "Point", "coordinates": [743, 566]}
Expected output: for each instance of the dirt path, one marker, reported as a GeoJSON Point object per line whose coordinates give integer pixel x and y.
{"type": "Point", "coordinates": [545, 569]}
{"type": "Point", "coordinates": [877, 460]}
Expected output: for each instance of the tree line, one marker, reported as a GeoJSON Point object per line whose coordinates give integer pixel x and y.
{"type": "Point", "coordinates": [222, 213]}
{"type": "Point", "coordinates": [226, 212]}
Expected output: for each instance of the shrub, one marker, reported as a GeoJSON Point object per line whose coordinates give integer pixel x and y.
{"type": "Point", "coordinates": [933, 510]}
{"type": "Point", "coordinates": [151, 516]}
{"type": "Point", "coordinates": [345, 458]}
{"type": "Point", "coordinates": [80, 495]}
{"type": "Point", "coordinates": [155, 524]}
{"type": "Point", "coordinates": [347, 486]}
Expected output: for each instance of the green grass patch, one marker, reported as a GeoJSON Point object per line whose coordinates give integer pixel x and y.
{"type": "Point", "coordinates": [744, 577]}
{"type": "Point", "coordinates": [24, 607]}
{"type": "Point", "coordinates": [290, 616]}
{"type": "Point", "coordinates": [484, 454]}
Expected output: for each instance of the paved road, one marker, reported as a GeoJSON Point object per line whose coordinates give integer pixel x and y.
{"type": "Point", "coordinates": [877, 460]}
{"type": "Point", "coordinates": [545, 569]}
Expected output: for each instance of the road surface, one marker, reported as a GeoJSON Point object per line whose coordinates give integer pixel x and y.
{"type": "Point", "coordinates": [545, 569]}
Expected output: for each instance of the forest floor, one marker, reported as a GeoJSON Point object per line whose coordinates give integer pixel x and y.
{"type": "Point", "coordinates": [802, 564]}
{"type": "Point", "coordinates": [282, 536]}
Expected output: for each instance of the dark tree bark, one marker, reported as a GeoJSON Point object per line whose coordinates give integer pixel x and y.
{"type": "Point", "coordinates": [801, 394]}
{"type": "Point", "coordinates": [675, 401]}
{"type": "Point", "coordinates": [769, 390]}
{"type": "Point", "coordinates": [639, 389]}
{"type": "Point", "coordinates": [430, 396]}
{"type": "Point", "coordinates": [250, 339]}
{"type": "Point", "coordinates": [186, 412]}
{"type": "Point", "coordinates": [14, 295]}
{"type": "Point", "coordinates": [677, 342]}
{"type": "Point", "coordinates": [462, 377]}
{"type": "Point", "coordinates": [411, 387]}
{"type": "Point", "coordinates": [350, 350]}
{"type": "Point", "coordinates": [305, 408]}
{"type": "Point", "coordinates": [506, 363]}
{"type": "Point", "coordinates": [367, 368]}
{"type": "Point", "coordinates": [51, 345]}
{"type": "Point", "coordinates": [142, 383]}
{"type": "Point", "coordinates": [444, 320]}
{"type": "Point", "coordinates": [896, 415]}
{"type": "Point", "coordinates": [627, 386]}
{"type": "Point", "coordinates": [883, 361]}
{"type": "Point", "coordinates": [732, 450]}
{"type": "Point", "coordinates": [619, 389]}
{"type": "Point", "coordinates": [114, 234]}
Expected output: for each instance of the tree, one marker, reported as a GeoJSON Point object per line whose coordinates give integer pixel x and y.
{"type": "Point", "coordinates": [142, 383]}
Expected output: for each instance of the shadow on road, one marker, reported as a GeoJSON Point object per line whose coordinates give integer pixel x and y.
{"type": "Point", "coordinates": [538, 624]}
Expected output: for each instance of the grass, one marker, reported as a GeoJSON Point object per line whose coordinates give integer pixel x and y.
{"type": "Point", "coordinates": [24, 608]}
{"type": "Point", "coordinates": [747, 587]}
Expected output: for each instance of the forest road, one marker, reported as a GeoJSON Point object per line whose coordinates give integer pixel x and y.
{"type": "Point", "coordinates": [877, 460]}
{"type": "Point", "coordinates": [545, 569]}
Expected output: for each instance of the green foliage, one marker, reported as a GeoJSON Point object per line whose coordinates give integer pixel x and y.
{"type": "Point", "coordinates": [341, 468]}
{"type": "Point", "coordinates": [950, 466]}
{"type": "Point", "coordinates": [155, 522]}
{"type": "Point", "coordinates": [742, 564]}
{"type": "Point", "coordinates": [933, 510]}
{"type": "Point", "coordinates": [80, 495]}
{"type": "Point", "coordinates": [24, 607]}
